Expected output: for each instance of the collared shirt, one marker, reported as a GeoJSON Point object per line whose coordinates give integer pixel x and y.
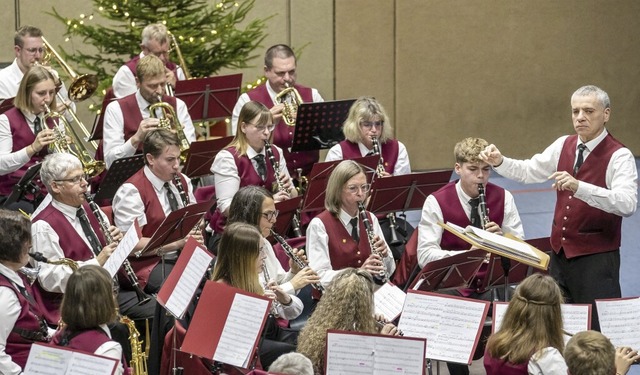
{"type": "Point", "coordinates": [227, 178]}
{"type": "Point", "coordinates": [244, 99]}
{"type": "Point", "coordinates": [318, 247]}
{"type": "Point", "coordinates": [430, 233]}
{"type": "Point", "coordinates": [115, 146]}
{"type": "Point", "coordinates": [282, 278]}
{"type": "Point", "coordinates": [9, 314]}
{"type": "Point", "coordinates": [402, 164]}
{"type": "Point", "coordinates": [128, 204]}
{"type": "Point", "coordinates": [124, 82]}
{"type": "Point", "coordinates": [111, 349]}
{"type": "Point", "coordinates": [620, 197]}
{"type": "Point", "coordinates": [12, 161]}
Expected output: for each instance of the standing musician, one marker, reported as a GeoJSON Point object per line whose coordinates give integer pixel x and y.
{"type": "Point", "coordinates": [337, 237]}
{"type": "Point", "coordinates": [25, 133]}
{"type": "Point", "coordinates": [149, 196]}
{"type": "Point", "coordinates": [244, 162]}
{"type": "Point", "coordinates": [155, 41]}
{"type": "Point", "coordinates": [597, 185]}
{"type": "Point", "coordinates": [280, 69]}
{"type": "Point", "coordinates": [128, 120]}
{"type": "Point", "coordinates": [21, 318]}
{"type": "Point", "coordinates": [458, 202]}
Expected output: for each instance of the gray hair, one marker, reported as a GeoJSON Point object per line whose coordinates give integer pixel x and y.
{"type": "Point", "coordinates": [600, 94]}
{"type": "Point", "coordinates": [56, 166]}
{"type": "Point", "coordinates": [155, 31]}
{"type": "Point", "coordinates": [292, 364]}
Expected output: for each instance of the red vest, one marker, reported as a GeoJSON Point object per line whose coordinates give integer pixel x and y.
{"type": "Point", "coordinates": [578, 228]}
{"type": "Point", "coordinates": [389, 152]}
{"type": "Point", "coordinates": [132, 116]}
{"type": "Point", "coordinates": [283, 134]}
{"type": "Point", "coordinates": [496, 366]}
{"type": "Point", "coordinates": [133, 65]}
{"type": "Point", "coordinates": [89, 341]}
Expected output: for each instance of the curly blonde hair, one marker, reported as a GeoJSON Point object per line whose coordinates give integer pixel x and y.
{"type": "Point", "coordinates": [346, 305]}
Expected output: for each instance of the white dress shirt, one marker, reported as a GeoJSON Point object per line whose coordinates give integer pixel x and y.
{"type": "Point", "coordinates": [124, 82]}
{"type": "Point", "coordinates": [115, 146]}
{"type": "Point", "coordinates": [128, 204]}
{"type": "Point", "coordinates": [430, 233]}
{"type": "Point", "coordinates": [111, 349]}
{"type": "Point", "coordinates": [547, 361]}
{"type": "Point", "coordinates": [401, 167]}
{"type": "Point", "coordinates": [9, 314]}
{"type": "Point", "coordinates": [318, 247]}
{"type": "Point", "coordinates": [620, 197]}
{"type": "Point", "coordinates": [275, 270]}
{"type": "Point", "coordinates": [244, 98]}
{"type": "Point", "coordinates": [12, 161]}
{"type": "Point", "coordinates": [227, 179]}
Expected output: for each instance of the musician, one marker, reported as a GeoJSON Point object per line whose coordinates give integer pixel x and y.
{"type": "Point", "coordinates": [156, 42]}
{"type": "Point", "coordinates": [585, 234]}
{"type": "Point", "coordinates": [280, 70]}
{"type": "Point", "coordinates": [149, 196]}
{"type": "Point", "coordinates": [244, 162]}
{"type": "Point", "coordinates": [87, 307]}
{"type": "Point", "coordinates": [367, 119]}
{"type": "Point", "coordinates": [25, 133]}
{"type": "Point", "coordinates": [337, 238]}
{"type": "Point", "coordinates": [127, 120]}
{"type": "Point", "coordinates": [347, 305]}
{"type": "Point", "coordinates": [21, 319]}
{"type": "Point", "coordinates": [592, 353]}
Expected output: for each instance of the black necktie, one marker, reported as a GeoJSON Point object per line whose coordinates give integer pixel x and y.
{"type": "Point", "coordinates": [354, 229]}
{"type": "Point", "coordinates": [37, 126]}
{"type": "Point", "coordinates": [88, 231]}
{"type": "Point", "coordinates": [475, 215]}
{"type": "Point", "coordinates": [262, 167]}
{"type": "Point", "coordinates": [580, 160]}
{"type": "Point", "coordinates": [173, 202]}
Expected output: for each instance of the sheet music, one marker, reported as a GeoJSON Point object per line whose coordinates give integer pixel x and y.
{"type": "Point", "coordinates": [126, 245]}
{"type": "Point", "coordinates": [450, 325]}
{"type": "Point", "coordinates": [619, 321]}
{"type": "Point", "coordinates": [389, 300]}
{"type": "Point", "coordinates": [45, 359]}
{"type": "Point", "coordinates": [184, 290]}
{"type": "Point", "coordinates": [241, 330]}
{"type": "Point", "coordinates": [349, 353]}
{"type": "Point", "coordinates": [503, 242]}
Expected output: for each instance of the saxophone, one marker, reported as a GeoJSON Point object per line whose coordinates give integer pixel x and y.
{"type": "Point", "coordinates": [382, 277]}
{"type": "Point", "coordinates": [138, 363]}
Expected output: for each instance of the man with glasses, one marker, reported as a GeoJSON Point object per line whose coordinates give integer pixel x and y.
{"type": "Point", "coordinates": [155, 41]}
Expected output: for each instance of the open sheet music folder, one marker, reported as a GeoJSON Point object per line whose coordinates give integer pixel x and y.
{"type": "Point", "coordinates": [619, 321]}
{"type": "Point", "coordinates": [59, 360]}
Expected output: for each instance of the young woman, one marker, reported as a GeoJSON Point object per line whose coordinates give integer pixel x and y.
{"type": "Point", "coordinates": [88, 306]}
{"type": "Point", "coordinates": [530, 339]}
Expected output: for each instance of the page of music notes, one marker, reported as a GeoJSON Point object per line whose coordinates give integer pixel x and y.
{"type": "Point", "coordinates": [388, 300]}
{"type": "Point", "coordinates": [46, 360]}
{"type": "Point", "coordinates": [354, 353]}
{"type": "Point", "coordinates": [619, 321]}
{"type": "Point", "coordinates": [451, 325]}
{"type": "Point", "coordinates": [184, 290]}
{"type": "Point", "coordinates": [126, 245]}
{"type": "Point", "coordinates": [241, 330]}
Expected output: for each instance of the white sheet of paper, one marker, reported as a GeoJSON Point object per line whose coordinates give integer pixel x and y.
{"type": "Point", "coordinates": [45, 359]}
{"type": "Point", "coordinates": [389, 300]}
{"type": "Point", "coordinates": [241, 330]}
{"type": "Point", "coordinates": [374, 355]}
{"type": "Point", "coordinates": [128, 242]}
{"type": "Point", "coordinates": [504, 241]}
{"type": "Point", "coordinates": [450, 325]}
{"type": "Point", "coordinates": [182, 294]}
{"type": "Point", "coordinates": [619, 321]}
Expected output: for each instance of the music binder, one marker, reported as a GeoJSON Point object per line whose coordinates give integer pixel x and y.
{"type": "Point", "coordinates": [201, 155]}
{"type": "Point", "coordinates": [456, 271]}
{"type": "Point", "coordinates": [62, 360]}
{"type": "Point", "coordinates": [211, 97]}
{"type": "Point", "coordinates": [119, 172]}
{"type": "Point", "coordinates": [575, 318]}
{"type": "Point", "coordinates": [618, 318]}
{"type": "Point", "coordinates": [319, 125]}
{"type": "Point", "coordinates": [286, 211]}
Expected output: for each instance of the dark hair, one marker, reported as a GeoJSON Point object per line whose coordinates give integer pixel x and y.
{"type": "Point", "coordinates": [155, 142]}
{"type": "Point", "coordinates": [15, 232]}
{"type": "Point", "coordinates": [282, 51]}
{"type": "Point", "coordinates": [246, 205]}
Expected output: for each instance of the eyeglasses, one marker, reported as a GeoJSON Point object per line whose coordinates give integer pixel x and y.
{"type": "Point", "coordinates": [74, 180]}
{"type": "Point", "coordinates": [261, 128]}
{"type": "Point", "coordinates": [270, 215]}
{"type": "Point", "coordinates": [353, 189]}
{"type": "Point", "coordinates": [370, 124]}
{"type": "Point", "coordinates": [33, 51]}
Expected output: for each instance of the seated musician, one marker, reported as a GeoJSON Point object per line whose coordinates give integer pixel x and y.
{"type": "Point", "coordinates": [127, 120]}
{"type": "Point", "coordinates": [458, 203]}
{"type": "Point", "coordinates": [21, 319]}
{"type": "Point", "coordinates": [337, 237]}
{"type": "Point", "coordinates": [155, 41]}
{"type": "Point", "coordinates": [149, 196]}
{"type": "Point", "coordinates": [245, 162]}
{"type": "Point", "coordinates": [25, 133]}
{"type": "Point", "coordinates": [347, 305]}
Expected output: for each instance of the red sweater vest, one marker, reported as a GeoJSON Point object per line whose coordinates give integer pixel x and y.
{"type": "Point", "coordinates": [389, 152]}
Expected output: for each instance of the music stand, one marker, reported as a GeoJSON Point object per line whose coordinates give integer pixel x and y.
{"type": "Point", "coordinates": [201, 155]}
{"type": "Point", "coordinates": [98, 123]}
{"type": "Point", "coordinates": [319, 125]}
{"type": "Point", "coordinates": [25, 186]}
{"type": "Point", "coordinates": [121, 170]}
{"type": "Point", "coordinates": [405, 192]}
{"type": "Point", "coordinates": [316, 189]}
{"type": "Point", "coordinates": [451, 272]}
{"type": "Point", "coordinates": [211, 97]}
{"type": "Point", "coordinates": [6, 105]}
{"type": "Point", "coordinates": [287, 209]}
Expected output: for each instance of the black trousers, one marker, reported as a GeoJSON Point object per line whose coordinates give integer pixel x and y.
{"type": "Point", "coordinates": [587, 278]}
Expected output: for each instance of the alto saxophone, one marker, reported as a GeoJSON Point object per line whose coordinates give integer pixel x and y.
{"type": "Point", "coordinates": [382, 276]}
{"type": "Point", "coordinates": [138, 363]}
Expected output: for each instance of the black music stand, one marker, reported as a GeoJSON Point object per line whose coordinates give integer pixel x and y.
{"type": "Point", "coordinates": [211, 97]}
{"type": "Point", "coordinates": [119, 172]}
{"type": "Point", "coordinates": [98, 122]}
{"type": "Point", "coordinates": [319, 125]}
{"type": "Point", "coordinates": [201, 154]}
{"type": "Point", "coordinates": [457, 271]}
{"type": "Point", "coordinates": [6, 105]}
{"type": "Point", "coordinates": [316, 189]}
{"type": "Point", "coordinates": [287, 210]}
{"type": "Point", "coordinates": [25, 186]}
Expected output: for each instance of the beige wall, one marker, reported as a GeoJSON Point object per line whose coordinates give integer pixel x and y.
{"type": "Point", "coordinates": [498, 69]}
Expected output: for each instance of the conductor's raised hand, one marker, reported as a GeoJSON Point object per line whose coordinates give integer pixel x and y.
{"type": "Point", "coordinates": [491, 155]}
{"type": "Point", "coordinates": [563, 181]}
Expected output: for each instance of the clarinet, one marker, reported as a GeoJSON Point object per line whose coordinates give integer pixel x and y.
{"type": "Point", "coordinates": [267, 278]}
{"type": "Point", "coordinates": [376, 151]}
{"type": "Point", "coordinates": [296, 259]}
{"type": "Point", "coordinates": [183, 196]}
{"type": "Point", "coordinates": [131, 275]}
{"type": "Point", "coordinates": [275, 164]}
{"type": "Point", "coordinates": [393, 226]}
{"type": "Point", "coordinates": [382, 277]}
{"type": "Point", "coordinates": [484, 211]}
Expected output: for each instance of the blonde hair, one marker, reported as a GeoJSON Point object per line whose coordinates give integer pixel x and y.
{"type": "Point", "coordinates": [366, 108]}
{"type": "Point", "coordinates": [249, 111]}
{"type": "Point", "coordinates": [342, 173]}
{"type": "Point", "coordinates": [590, 353]}
{"type": "Point", "coordinates": [149, 67]}
{"type": "Point", "coordinates": [34, 75]}
{"type": "Point", "coordinates": [468, 150]}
